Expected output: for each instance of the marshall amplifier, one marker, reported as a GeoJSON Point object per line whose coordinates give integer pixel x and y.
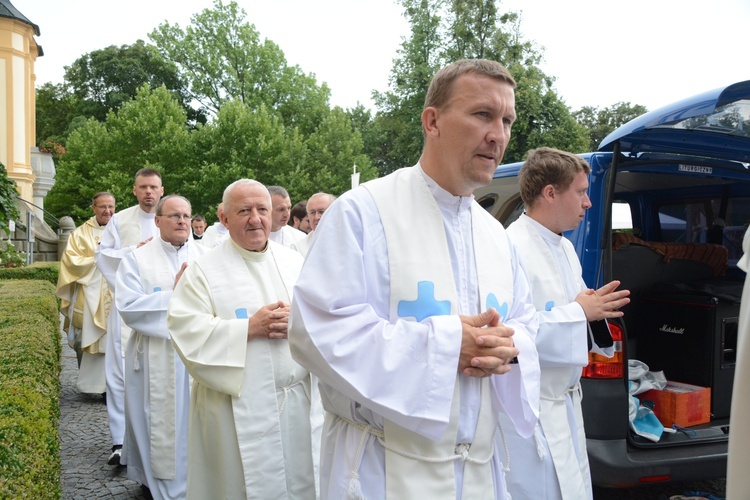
{"type": "Point", "coordinates": [689, 330]}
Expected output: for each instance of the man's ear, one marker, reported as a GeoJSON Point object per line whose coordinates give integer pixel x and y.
{"type": "Point", "coordinates": [548, 193]}
{"type": "Point", "coordinates": [429, 121]}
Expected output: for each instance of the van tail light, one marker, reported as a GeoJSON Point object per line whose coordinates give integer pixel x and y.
{"type": "Point", "coordinates": [602, 367]}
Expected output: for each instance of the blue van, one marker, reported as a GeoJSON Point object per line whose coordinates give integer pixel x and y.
{"type": "Point", "coordinates": [671, 203]}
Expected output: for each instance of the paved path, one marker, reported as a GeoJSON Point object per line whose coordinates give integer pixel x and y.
{"type": "Point", "coordinates": [85, 443]}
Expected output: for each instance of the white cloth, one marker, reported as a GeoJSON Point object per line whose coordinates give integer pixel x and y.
{"type": "Point", "coordinates": [374, 369]}
{"type": "Point", "coordinates": [124, 231]}
{"type": "Point", "coordinates": [286, 236]}
{"type": "Point", "coordinates": [250, 423]}
{"type": "Point", "coordinates": [738, 480]}
{"type": "Point", "coordinates": [214, 235]}
{"type": "Point", "coordinates": [303, 245]}
{"type": "Point", "coordinates": [560, 464]}
{"type": "Point", "coordinates": [157, 388]}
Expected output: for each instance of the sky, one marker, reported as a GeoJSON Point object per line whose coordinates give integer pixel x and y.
{"type": "Point", "coordinates": [648, 52]}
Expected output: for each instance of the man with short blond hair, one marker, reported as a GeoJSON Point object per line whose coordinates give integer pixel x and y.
{"type": "Point", "coordinates": [85, 298]}
{"type": "Point", "coordinates": [554, 188]}
{"type": "Point", "coordinates": [127, 230]}
{"type": "Point", "coordinates": [413, 312]}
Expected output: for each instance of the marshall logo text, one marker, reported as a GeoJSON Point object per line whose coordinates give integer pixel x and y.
{"type": "Point", "coordinates": [671, 329]}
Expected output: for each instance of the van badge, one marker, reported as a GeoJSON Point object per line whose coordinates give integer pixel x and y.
{"type": "Point", "coordinates": [696, 169]}
{"type": "Point", "coordinates": [671, 329]}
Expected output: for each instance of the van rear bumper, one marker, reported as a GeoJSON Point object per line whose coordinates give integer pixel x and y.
{"type": "Point", "coordinates": [615, 464]}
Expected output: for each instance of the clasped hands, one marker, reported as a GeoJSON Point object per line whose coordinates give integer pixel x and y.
{"type": "Point", "coordinates": [487, 345]}
{"type": "Point", "coordinates": [270, 322]}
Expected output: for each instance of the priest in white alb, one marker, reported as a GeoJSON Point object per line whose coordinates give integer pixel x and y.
{"type": "Point", "coordinates": [281, 232]}
{"type": "Point", "coordinates": [157, 386]}
{"type": "Point", "coordinates": [85, 298]}
{"type": "Point", "coordinates": [251, 423]}
{"type": "Point", "coordinates": [127, 230]}
{"type": "Point", "coordinates": [316, 207]}
{"type": "Point", "coordinates": [554, 187]}
{"type": "Point", "coordinates": [412, 310]}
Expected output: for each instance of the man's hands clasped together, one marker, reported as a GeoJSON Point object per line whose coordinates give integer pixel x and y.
{"type": "Point", "coordinates": [487, 346]}
{"type": "Point", "coordinates": [270, 322]}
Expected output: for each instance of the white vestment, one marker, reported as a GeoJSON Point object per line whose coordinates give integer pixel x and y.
{"type": "Point", "coordinates": [303, 245]}
{"type": "Point", "coordinates": [124, 231]}
{"type": "Point", "coordinates": [214, 235]}
{"type": "Point", "coordinates": [85, 301]}
{"type": "Point", "coordinates": [250, 418]}
{"type": "Point", "coordinates": [557, 456]}
{"type": "Point", "coordinates": [286, 236]}
{"type": "Point", "coordinates": [378, 373]}
{"type": "Point", "coordinates": [738, 480]}
{"type": "Point", "coordinates": [157, 388]}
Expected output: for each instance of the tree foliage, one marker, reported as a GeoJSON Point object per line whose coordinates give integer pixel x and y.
{"type": "Point", "coordinates": [101, 81]}
{"type": "Point", "coordinates": [8, 193]}
{"type": "Point", "coordinates": [600, 122]}
{"type": "Point", "coordinates": [222, 58]}
{"type": "Point", "coordinates": [443, 32]}
{"type": "Point", "coordinates": [149, 131]}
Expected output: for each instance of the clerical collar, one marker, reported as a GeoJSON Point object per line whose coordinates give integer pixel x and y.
{"type": "Point", "coordinates": [249, 255]}
{"type": "Point", "coordinates": [443, 197]}
{"type": "Point", "coordinates": [544, 232]}
{"type": "Point", "coordinates": [169, 247]}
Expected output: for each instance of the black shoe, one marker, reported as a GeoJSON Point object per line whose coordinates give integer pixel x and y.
{"type": "Point", "coordinates": [114, 458]}
{"type": "Point", "coordinates": [146, 492]}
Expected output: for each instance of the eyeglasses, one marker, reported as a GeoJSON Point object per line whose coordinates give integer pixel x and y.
{"type": "Point", "coordinates": [105, 207]}
{"type": "Point", "coordinates": [177, 217]}
{"type": "Point", "coordinates": [316, 212]}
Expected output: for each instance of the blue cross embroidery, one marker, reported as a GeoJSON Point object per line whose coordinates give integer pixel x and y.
{"type": "Point", "coordinates": [241, 313]}
{"type": "Point", "coordinates": [549, 305]}
{"type": "Point", "coordinates": [425, 305]}
{"type": "Point", "coordinates": [493, 302]}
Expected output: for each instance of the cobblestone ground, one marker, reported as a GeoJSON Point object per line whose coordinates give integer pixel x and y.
{"type": "Point", "coordinates": [85, 443]}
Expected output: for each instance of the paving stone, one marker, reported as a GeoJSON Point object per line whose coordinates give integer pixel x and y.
{"type": "Point", "coordinates": [85, 443]}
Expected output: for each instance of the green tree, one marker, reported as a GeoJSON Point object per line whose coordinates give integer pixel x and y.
{"type": "Point", "coordinates": [445, 31]}
{"type": "Point", "coordinates": [222, 58]}
{"type": "Point", "coordinates": [55, 109]}
{"type": "Point", "coordinates": [398, 123]}
{"type": "Point", "coordinates": [8, 193]}
{"type": "Point", "coordinates": [148, 131]}
{"type": "Point", "coordinates": [332, 151]}
{"type": "Point", "coordinates": [239, 143]}
{"type": "Point", "coordinates": [601, 122]}
{"type": "Point", "coordinates": [105, 79]}
{"type": "Point", "coordinates": [101, 81]}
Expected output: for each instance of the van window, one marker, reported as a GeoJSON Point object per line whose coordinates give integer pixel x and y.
{"type": "Point", "coordinates": [622, 218]}
{"type": "Point", "coordinates": [700, 221]}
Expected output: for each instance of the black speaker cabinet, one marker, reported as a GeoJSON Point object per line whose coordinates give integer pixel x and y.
{"type": "Point", "coordinates": [692, 337]}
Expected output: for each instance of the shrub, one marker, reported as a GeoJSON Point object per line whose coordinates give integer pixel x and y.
{"type": "Point", "coordinates": [47, 271]}
{"type": "Point", "coordinates": [30, 350]}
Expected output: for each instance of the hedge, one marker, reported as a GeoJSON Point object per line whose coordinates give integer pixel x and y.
{"type": "Point", "coordinates": [47, 271]}
{"type": "Point", "coordinates": [30, 351]}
